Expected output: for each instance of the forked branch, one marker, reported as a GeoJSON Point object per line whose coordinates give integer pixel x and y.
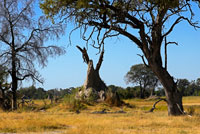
{"type": "Point", "coordinates": [100, 60]}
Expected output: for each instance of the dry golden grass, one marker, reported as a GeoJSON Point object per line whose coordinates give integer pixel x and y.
{"type": "Point", "coordinates": [58, 120]}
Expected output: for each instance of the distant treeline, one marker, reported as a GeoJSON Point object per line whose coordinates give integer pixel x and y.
{"type": "Point", "coordinates": [40, 93]}
{"type": "Point", "coordinates": [187, 88]}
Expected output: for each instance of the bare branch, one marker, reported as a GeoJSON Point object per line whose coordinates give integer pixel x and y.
{"type": "Point", "coordinates": [142, 56]}
{"type": "Point", "coordinates": [84, 54]}
{"type": "Point", "coordinates": [154, 105]}
{"type": "Point", "coordinates": [178, 20]}
{"type": "Point", "coordinates": [118, 29]}
{"type": "Point", "coordinates": [100, 60]}
{"type": "Point", "coordinates": [30, 75]}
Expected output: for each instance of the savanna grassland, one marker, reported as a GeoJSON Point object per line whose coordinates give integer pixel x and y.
{"type": "Point", "coordinates": [58, 119]}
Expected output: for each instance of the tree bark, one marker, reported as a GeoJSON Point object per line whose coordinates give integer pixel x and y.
{"type": "Point", "coordinates": [93, 79]}
{"type": "Point", "coordinates": [14, 83]}
{"type": "Point", "coordinates": [173, 96]}
{"type": "Point", "coordinates": [153, 56]}
{"type": "Point", "coordinates": [142, 90]}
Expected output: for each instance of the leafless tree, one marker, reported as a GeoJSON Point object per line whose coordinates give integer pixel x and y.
{"type": "Point", "coordinates": [22, 40]}
{"type": "Point", "coordinates": [93, 79]}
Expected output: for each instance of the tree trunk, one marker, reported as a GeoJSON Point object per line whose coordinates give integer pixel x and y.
{"type": "Point", "coordinates": [141, 92]}
{"type": "Point", "coordinates": [14, 83]}
{"type": "Point", "coordinates": [152, 92]}
{"type": "Point", "coordinates": [173, 96]}
{"type": "Point", "coordinates": [14, 100]}
{"type": "Point", "coordinates": [93, 79]}
{"type": "Point", "coordinates": [14, 93]}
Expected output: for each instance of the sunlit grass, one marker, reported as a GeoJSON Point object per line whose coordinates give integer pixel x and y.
{"type": "Point", "coordinates": [58, 119]}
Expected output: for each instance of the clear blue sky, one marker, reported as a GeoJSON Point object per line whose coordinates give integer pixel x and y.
{"type": "Point", "coordinates": [70, 71]}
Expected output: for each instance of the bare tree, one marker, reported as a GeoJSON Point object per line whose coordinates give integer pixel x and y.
{"type": "Point", "coordinates": [93, 79]}
{"type": "Point", "coordinates": [22, 38]}
{"type": "Point", "coordinates": [141, 21]}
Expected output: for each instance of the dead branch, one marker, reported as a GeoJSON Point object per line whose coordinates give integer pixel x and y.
{"type": "Point", "coordinates": [166, 44]}
{"type": "Point", "coordinates": [84, 54]}
{"type": "Point", "coordinates": [142, 56]}
{"type": "Point", "coordinates": [166, 53]}
{"type": "Point", "coordinates": [154, 105]}
{"type": "Point", "coordinates": [100, 60]}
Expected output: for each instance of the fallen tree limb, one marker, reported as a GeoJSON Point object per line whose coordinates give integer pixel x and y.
{"type": "Point", "coordinates": [154, 105]}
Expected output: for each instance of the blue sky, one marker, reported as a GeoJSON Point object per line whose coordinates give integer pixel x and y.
{"type": "Point", "coordinates": [120, 54]}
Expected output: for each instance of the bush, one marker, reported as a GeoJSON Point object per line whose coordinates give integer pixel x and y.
{"type": "Point", "coordinates": [73, 103]}
{"type": "Point", "coordinates": [191, 110]}
{"type": "Point", "coordinates": [112, 98]}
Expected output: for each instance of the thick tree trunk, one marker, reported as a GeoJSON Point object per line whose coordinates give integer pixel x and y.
{"type": "Point", "coordinates": [14, 94]}
{"type": "Point", "coordinates": [14, 100]}
{"type": "Point", "coordinates": [173, 96]}
{"type": "Point", "coordinates": [93, 79]}
{"type": "Point", "coordinates": [93, 82]}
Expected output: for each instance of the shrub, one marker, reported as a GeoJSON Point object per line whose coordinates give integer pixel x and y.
{"type": "Point", "coordinates": [112, 98]}
{"type": "Point", "coordinates": [72, 102]}
{"type": "Point", "coordinates": [191, 110]}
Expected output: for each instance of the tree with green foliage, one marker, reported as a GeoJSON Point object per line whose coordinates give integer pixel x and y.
{"type": "Point", "coordinates": [22, 40]}
{"type": "Point", "coordinates": [152, 21]}
{"type": "Point", "coordinates": [5, 100]}
{"type": "Point", "coordinates": [143, 76]}
{"type": "Point", "coordinates": [182, 86]}
{"type": "Point", "coordinates": [33, 93]}
{"type": "Point", "coordinates": [188, 88]}
{"type": "Point", "coordinates": [198, 81]}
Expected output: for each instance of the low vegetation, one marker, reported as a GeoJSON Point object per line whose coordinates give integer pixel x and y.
{"type": "Point", "coordinates": [58, 118]}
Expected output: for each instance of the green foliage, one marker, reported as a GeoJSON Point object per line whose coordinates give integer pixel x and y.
{"type": "Point", "coordinates": [160, 92]}
{"type": "Point", "coordinates": [73, 103]}
{"type": "Point", "coordinates": [5, 94]}
{"type": "Point", "coordinates": [39, 93]}
{"type": "Point", "coordinates": [92, 98]}
{"type": "Point", "coordinates": [143, 76]}
{"type": "Point", "coordinates": [191, 110]}
{"type": "Point", "coordinates": [164, 3]}
{"type": "Point", "coordinates": [189, 88]}
{"type": "Point", "coordinates": [113, 98]}
{"type": "Point", "coordinates": [33, 93]}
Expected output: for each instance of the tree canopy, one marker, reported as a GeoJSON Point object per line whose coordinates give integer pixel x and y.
{"type": "Point", "coordinates": [152, 21]}
{"type": "Point", "coordinates": [141, 75]}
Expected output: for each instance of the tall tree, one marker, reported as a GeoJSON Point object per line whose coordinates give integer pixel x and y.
{"type": "Point", "coordinates": [108, 18]}
{"type": "Point", "coordinates": [22, 40]}
{"type": "Point", "coordinates": [140, 74]}
{"type": "Point", "coordinates": [198, 81]}
{"type": "Point", "coordinates": [182, 86]}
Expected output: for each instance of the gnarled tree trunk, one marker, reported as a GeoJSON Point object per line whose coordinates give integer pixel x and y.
{"type": "Point", "coordinates": [93, 80]}
{"type": "Point", "coordinates": [173, 96]}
